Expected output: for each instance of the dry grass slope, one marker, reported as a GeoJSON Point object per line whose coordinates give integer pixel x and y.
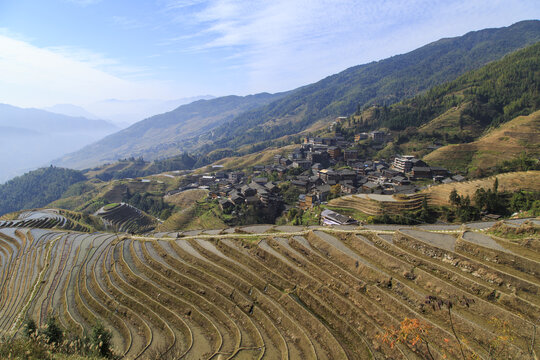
{"type": "Point", "coordinates": [522, 134]}
{"type": "Point", "coordinates": [259, 158]}
{"type": "Point", "coordinates": [186, 198]}
{"type": "Point", "coordinates": [523, 180]}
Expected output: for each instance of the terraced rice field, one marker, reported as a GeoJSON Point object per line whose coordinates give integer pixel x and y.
{"type": "Point", "coordinates": [126, 218]}
{"type": "Point", "coordinates": [43, 219]}
{"type": "Point", "coordinates": [315, 293]}
{"type": "Point", "coordinates": [374, 204]}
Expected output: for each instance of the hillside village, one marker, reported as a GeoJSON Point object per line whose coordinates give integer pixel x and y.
{"type": "Point", "coordinates": [320, 169]}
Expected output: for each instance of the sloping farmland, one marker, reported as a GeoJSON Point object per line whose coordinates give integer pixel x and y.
{"type": "Point", "coordinates": [316, 293]}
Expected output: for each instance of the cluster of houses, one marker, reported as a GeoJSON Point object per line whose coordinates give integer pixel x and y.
{"type": "Point", "coordinates": [259, 192]}
{"type": "Point", "coordinates": [319, 165]}
{"type": "Point", "coordinates": [233, 189]}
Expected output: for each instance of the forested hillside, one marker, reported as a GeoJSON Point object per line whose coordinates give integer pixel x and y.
{"type": "Point", "coordinates": [489, 96]}
{"type": "Point", "coordinates": [36, 188]}
{"type": "Point", "coordinates": [383, 82]}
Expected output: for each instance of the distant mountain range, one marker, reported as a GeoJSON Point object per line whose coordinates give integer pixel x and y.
{"type": "Point", "coordinates": [71, 110]}
{"type": "Point", "coordinates": [48, 122]}
{"type": "Point", "coordinates": [31, 137]}
{"type": "Point", "coordinates": [165, 134]}
{"type": "Point", "coordinates": [232, 122]}
{"type": "Point", "coordinates": [123, 112]}
{"type": "Point", "coordinates": [127, 112]}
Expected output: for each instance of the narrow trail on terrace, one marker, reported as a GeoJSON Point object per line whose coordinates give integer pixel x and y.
{"type": "Point", "coordinates": [284, 234]}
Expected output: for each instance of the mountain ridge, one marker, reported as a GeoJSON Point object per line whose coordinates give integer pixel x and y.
{"type": "Point", "coordinates": [48, 121]}
{"type": "Point", "coordinates": [171, 128]}
{"type": "Point", "coordinates": [33, 137]}
{"type": "Point", "coordinates": [386, 81]}
{"type": "Point", "coordinates": [343, 94]}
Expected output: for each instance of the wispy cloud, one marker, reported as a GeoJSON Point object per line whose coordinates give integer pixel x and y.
{"type": "Point", "coordinates": [128, 23]}
{"type": "Point", "coordinates": [63, 74]}
{"type": "Point", "coordinates": [181, 4]}
{"type": "Point", "coordinates": [100, 61]}
{"type": "Point", "coordinates": [302, 40]}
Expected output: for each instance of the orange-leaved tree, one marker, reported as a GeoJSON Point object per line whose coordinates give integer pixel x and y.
{"type": "Point", "coordinates": [411, 332]}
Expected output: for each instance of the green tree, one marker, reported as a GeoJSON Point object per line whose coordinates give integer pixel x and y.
{"type": "Point", "coordinates": [455, 199]}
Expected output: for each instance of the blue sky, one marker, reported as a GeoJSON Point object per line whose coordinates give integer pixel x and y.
{"type": "Point", "coordinates": [83, 51]}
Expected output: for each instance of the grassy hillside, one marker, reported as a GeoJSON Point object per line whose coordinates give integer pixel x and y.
{"type": "Point", "coordinates": [133, 168]}
{"type": "Point", "coordinates": [263, 157]}
{"type": "Point", "coordinates": [186, 198]}
{"type": "Point", "coordinates": [194, 212]}
{"type": "Point", "coordinates": [91, 195]}
{"type": "Point", "coordinates": [521, 135]}
{"type": "Point", "coordinates": [200, 215]}
{"type": "Point", "coordinates": [449, 123]}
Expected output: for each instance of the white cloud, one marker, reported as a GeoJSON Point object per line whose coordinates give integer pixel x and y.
{"type": "Point", "coordinates": [287, 43]}
{"type": "Point", "coordinates": [33, 76]}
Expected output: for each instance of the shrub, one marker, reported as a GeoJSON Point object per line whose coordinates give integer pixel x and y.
{"type": "Point", "coordinates": [52, 332]}
{"type": "Point", "coordinates": [49, 343]}
{"type": "Point", "coordinates": [100, 339]}
{"type": "Point", "coordinates": [29, 328]}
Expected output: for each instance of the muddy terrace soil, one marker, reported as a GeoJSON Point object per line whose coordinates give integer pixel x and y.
{"type": "Point", "coordinates": [295, 294]}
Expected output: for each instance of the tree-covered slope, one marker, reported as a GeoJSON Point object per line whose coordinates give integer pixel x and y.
{"type": "Point", "coordinates": [166, 134]}
{"type": "Point", "coordinates": [485, 117]}
{"type": "Point", "coordinates": [489, 96]}
{"type": "Point", "coordinates": [383, 82]}
{"type": "Point", "coordinates": [36, 188]}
